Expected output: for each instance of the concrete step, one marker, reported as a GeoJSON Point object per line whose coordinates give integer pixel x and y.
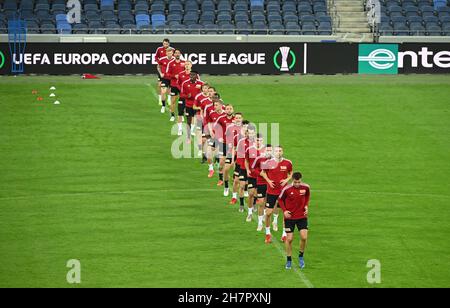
{"type": "Point", "coordinates": [352, 14]}
{"type": "Point", "coordinates": [354, 21]}
{"type": "Point", "coordinates": [349, 8]}
{"type": "Point", "coordinates": [350, 23]}
{"type": "Point", "coordinates": [356, 37]}
{"type": "Point", "coordinates": [352, 30]}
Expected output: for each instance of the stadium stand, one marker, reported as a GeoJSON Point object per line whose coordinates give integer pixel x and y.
{"type": "Point", "coordinates": [414, 18]}
{"type": "Point", "coordinates": [258, 17]}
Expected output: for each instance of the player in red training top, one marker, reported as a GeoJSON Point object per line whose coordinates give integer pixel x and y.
{"type": "Point", "coordinates": [163, 62]}
{"type": "Point", "coordinates": [220, 128]}
{"type": "Point", "coordinates": [182, 77]}
{"type": "Point", "coordinates": [241, 152]}
{"type": "Point", "coordinates": [277, 172]}
{"type": "Point", "coordinates": [198, 101]}
{"type": "Point", "coordinates": [238, 135]}
{"type": "Point", "coordinates": [261, 183]}
{"type": "Point", "coordinates": [294, 201]}
{"type": "Point", "coordinates": [189, 91]}
{"type": "Point", "coordinates": [252, 153]}
{"type": "Point", "coordinates": [213, 142]}
{"type": "Point", "coordinates": [174, 68]}
{"type": "Point", "coordinates": [233, 130]}
{"type": "Point", "coordinates": [207, 109]}
{"type": "Point", "coordinates": [160, 53]}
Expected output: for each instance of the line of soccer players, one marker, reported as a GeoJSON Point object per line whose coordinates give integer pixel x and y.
{"type": "Point", "coordinates": [261, 173]}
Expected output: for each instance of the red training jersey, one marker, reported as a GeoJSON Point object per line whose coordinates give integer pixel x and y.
{"type": "Point", "coordinates": [257, 168]}
{"type": "Point", "coordinates": [232, 135]}
{"type": "Point", "coordinates": [295, 200]}
{"type": "Point", "coordinates": [160, 53]}
{"type": "Point", "coordinates": [189, 91]}
{"type": "Point", "coordinates": [223, 122]}
{"type": "Point", "coordinates": [251, 155]}
{"type": "Point", "coordinates": [199, 101]}
{"type": "Point", "coordinates": [277, 172]}
{"type": "Point", "coordinates": [163, 62]}
{"type": "Point", "coordinates": [241, 151]}
{"type": "Point", "coordinates": [174, 68]}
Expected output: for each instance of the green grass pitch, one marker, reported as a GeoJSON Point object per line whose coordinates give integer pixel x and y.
{"type": "Point", "coordinates": [93, 179]}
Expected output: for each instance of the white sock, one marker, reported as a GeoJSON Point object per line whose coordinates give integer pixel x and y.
{"type": "Point", "coordinates": [267, 230]}
{"type": "Point", "coordinates": [250, 211]}
{"type": "Point", "coordinates": [159, 97]}
{"type": "Point", "coordinates": [275, 218]}
{"type": "Point", "coordinates": [169, 98]}
{"type": "Point", "coordinates": [260, 220]}
{"type": "Point", "coordinates": [211, 167]}
{"type": "Point", "coordinates": [235, 195]}
{"type": "Point", "coordinates": [180, 126]}
{"type": "Point", "coordinates": [284, 232]}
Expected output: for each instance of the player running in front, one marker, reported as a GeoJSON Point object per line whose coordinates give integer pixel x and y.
{"type": "Point", "coordinates": [277, 172]}
{"type": "Point", "coordinates": [174, 68]}
{"type": "Point", "coordinates": [160, 53]}
{"type": "Point", "coordinates": [294, 201]}
{"type": "Point", "coordinates": [163, 62]}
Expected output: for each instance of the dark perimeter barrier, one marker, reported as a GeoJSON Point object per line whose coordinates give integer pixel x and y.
{"type": "Point", "coordinates": [233, 58]}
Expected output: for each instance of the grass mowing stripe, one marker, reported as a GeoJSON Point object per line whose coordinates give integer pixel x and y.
{"type": "Point", "coordinates": [150, 191]}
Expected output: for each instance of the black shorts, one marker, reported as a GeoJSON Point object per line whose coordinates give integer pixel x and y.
{"type": "Point", "coordinates": [261, 191]}
{"type": "Point", "coordinates": [165, 83]}
{"type": "Point", "coordinates": [290, 224]}
{"type": "Point", "coordinates": [243, 175]}
{"type": "Point", "coordinates": [174, 91]}
{"type": "Point", "coordinates": [271, 201]}
{"type": "Point", "coordinates": [251, 183]}
{"type": "Point", "coordinates": [237, 170]}
{"type": "Point", "coordinates": [190, 112]}
{"type": "Point", "coordinates": [213, 142]}
{"type": "Point", "coordinates": [181, 108]}
{"type": "Point", "coordinates": [223, 149]}
{"type": "Point", "coordinates": [229, 160]}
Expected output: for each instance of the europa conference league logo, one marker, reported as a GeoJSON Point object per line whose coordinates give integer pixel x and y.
{"type": "Point", "coordinates": [285, 52]}
{"type": "Point", "coordinates": [2, 60]}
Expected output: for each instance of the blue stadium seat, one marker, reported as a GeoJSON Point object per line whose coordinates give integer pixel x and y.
{"type": "Point", "coordinates": [401, 30]}
{"type": "Point", "coordinates": [260, 28]}
{"type": "Point", "coordinates": [158, 20]}
{"type": "Point", "coordinates": [195, 29]}
{"type": "Point", "coordinates": [142, 20]}
{"type": "Point", "coordinates": [64, 28]}
{"type": "Point", "coordinates": [227, 29]}
{"type": "Point", "coordinates": [211, 29]}
{"type": "Point", "coordinates": [433, 30]}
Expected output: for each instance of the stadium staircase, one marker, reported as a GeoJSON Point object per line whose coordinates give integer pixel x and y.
{"type": "Point", "coordinates": [352, 25]}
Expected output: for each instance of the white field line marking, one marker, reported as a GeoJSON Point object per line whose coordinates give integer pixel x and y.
{"type": "Point", "coordinates": [150, 191]}
{"type": "Point", "coordinates": [129, 192]}
{"type": "Point", "coordinates": [300, 274]}
{"type": "Point", "coordinates": [153, 90]}
{"type": "Point", "coordinates": [385, 193]}
{"type": "Point", "coordinates": [280, 249]}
